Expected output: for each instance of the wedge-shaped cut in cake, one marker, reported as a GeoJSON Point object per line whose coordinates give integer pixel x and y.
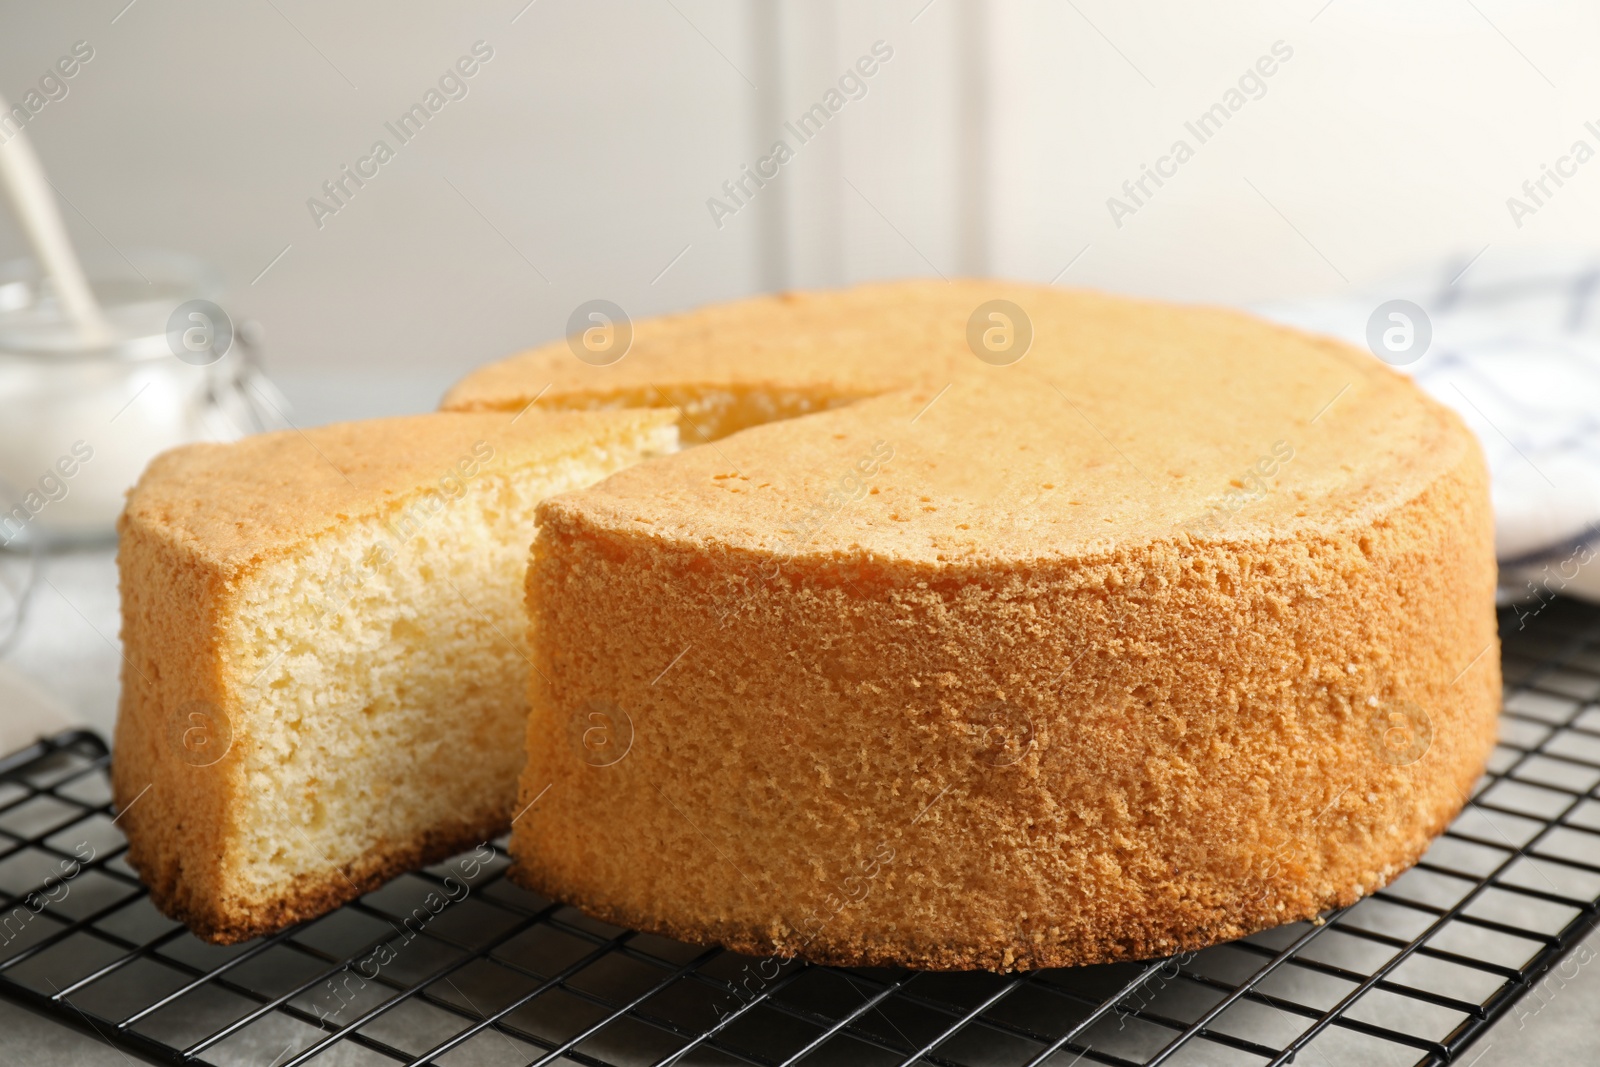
{"type": "Point", "coordinates": [730, 366]}
{"type": "Point", "coordinates": [326, 672]}
{"type": "Point", "coordinates": [1180, 627]}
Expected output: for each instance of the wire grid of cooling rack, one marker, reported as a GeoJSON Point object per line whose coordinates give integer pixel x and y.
{"type": "Point", "coordinates": [497, 975]}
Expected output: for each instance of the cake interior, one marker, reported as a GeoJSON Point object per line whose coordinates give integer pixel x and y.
{"type": "Point", "coordinates": [706, 412]}
{"type": "Point", "coordinates": [380, 676]}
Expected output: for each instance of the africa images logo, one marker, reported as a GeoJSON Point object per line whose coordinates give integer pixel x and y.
{"type": "Point", "coordinates": [851, 85]}
{"type": "Point", "coordinates": [453, 84]}
{"type": "Point", "coordinates": [1252, 85]}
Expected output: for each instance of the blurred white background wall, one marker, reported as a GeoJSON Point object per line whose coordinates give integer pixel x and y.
{"type": "Point", "coordinates": [581, 159]}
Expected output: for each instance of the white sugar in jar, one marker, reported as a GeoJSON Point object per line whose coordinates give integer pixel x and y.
{"type": "Point", "coordinates": [78, 424]}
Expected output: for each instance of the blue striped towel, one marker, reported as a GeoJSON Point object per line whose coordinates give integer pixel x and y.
{"type": "Point", "coordinates": [1515, 349]}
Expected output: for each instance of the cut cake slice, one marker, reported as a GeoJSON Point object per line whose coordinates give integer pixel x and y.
{"type": "Point", "coordinates": [325, 668]}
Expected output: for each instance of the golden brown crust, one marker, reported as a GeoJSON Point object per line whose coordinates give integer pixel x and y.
{"type": "Point", "coordinates": [997, 955]}
{"type": "Point", "coordinates": [175, 814]}
{"type": "Point", "coordinates": [235, 504]}
{"type": "Point", "coordinates": [1018, 691]}
{"type": "Point", "coordinates": [221, 922]}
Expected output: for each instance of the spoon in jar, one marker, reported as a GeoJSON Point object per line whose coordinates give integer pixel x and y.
{"type": "Point", "coordinates": [31, 198]}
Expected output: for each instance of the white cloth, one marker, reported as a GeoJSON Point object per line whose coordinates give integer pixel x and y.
{"type": "Point", "coordinates": [1515, 350]}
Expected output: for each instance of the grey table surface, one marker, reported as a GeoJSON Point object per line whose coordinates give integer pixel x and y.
{"type": "Point", "coordinates": [63, 673]}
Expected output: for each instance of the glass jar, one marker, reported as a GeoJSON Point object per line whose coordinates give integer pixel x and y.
{"type": "Point", "coordinates": [78, 424]}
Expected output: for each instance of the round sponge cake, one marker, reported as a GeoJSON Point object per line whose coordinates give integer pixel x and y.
{"type": "Point", "coordinates": [1179, 628]}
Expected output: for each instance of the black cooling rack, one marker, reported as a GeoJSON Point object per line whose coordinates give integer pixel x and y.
{"type": "Point", "coordinates": [482, 972]}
